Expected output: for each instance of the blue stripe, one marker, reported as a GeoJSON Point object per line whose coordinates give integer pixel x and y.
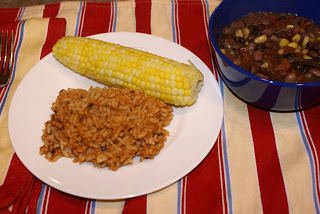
{"type": "Point", "coordinates": [179, 197]}
{"type": "Point", "coordinates": [41, 197]}
{"type": "Point", "coordinates": [225, 159]}
{"type": "Point", "coordinates": [14, 67]}
{"type": "Point", "coordinates": [76, 31]}
{"type": "Point", "coordinates": [174, 36]}
{"type": "Point", "coordinates": [93, 206]}
{"type": "Point", "coordinates": [115, 9]}
{"type": "Point", "coordinates": [311, 161]}
{"type": "Point", "coordinates": [23, 10]}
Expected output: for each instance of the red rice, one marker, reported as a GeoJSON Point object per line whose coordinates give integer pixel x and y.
{"type": "Point", "coordinates": [106, 126]}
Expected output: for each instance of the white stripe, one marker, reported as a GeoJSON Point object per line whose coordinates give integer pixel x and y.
{"type": "Point", "coordinates": [47, 201]}
{"type": "Point", "coordinates": [83, 12]}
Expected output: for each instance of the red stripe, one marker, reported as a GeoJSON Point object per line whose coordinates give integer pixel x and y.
{"type": "Point", "coordinates": [17, 178]}
{"type": "Point", "coordinates": [56, 30]}
{"type": "Point", "coordinates": [193, 29]}
{"type": "Point", "coordinates": [223, 197]}
{"type": "Point", "coordinates": [51, 10]}
{"type": "Point", "coordinates": [45, 198]}
{"type": "Point", "coordinates": [203, 190]}
{"type": "Point", "coordinates": [143, 16]}
{"type": "Point", "coordinates": [34, 196]}
{"type": "Point", "coordinates": [96, 18]}
{"type": "Point", "coordinates": [135, 205]}
{"type": "Point", "coordinates": [272, 189]}
{"type": "Point", "coordinates": [60, 202]}
{"type": "Point", "coordinates": [20, 204]}
{"type": "Point", "coordinates": [8, 15]}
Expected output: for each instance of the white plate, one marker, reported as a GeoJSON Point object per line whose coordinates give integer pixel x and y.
{"type": "Point", "coordinates": [193, 130]}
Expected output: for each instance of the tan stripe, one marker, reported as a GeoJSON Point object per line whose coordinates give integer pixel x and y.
{"type": "Point", "coordinates": [110, 207]}
{"type": "Point", "coordinates": [34, 37]}
{"type": "Point", "coordinates": [33, 12]}
{"type": "Point", "coordinates": [167, 197]}
{"type": "Point", "coordinates": [294, 163]}
{"type": "Point", "coordinates": [125, 16]}
{"type": "Point", "coordinates": [161, 24]}
{"type": "Point", "coordinates": [69, 11]}
{"type": "Point", "coordinates": [241, 158]}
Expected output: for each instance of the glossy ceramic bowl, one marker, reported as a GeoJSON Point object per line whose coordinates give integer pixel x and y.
{"type": "Point", "coordinates": [260, 92]}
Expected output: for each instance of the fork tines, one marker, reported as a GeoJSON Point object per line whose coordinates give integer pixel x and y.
{"type": "Point", "coordinates": [6, 57]}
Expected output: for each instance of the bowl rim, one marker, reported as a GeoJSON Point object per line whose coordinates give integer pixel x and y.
{"type": "Point", "coordinates": [244, 72]}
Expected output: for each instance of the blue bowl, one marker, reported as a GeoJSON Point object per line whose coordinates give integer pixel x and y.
{"type": "Point", "coordinates": [257, 91]}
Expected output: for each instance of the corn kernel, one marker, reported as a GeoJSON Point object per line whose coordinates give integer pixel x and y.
{"type": "Point", "coordinates": [239, 33]}
{"type": "Point", "coordinates": [223, 51]}
{"type": "Point", "coordinates": [293, 45]}
{"type": "Point", "coordinates": [246, 32]}
{"type": "Point", "coordinates": [297, 50]}
{"type": "Point", "coordinates": [265, 65]}
{"type": "Point", "coordinates": [304, 51]}
{"type": "Point", "coordinates": [305, 41]}
{"type": "Point", "coordinates": [280, 51]}
{"type": "Point", "coordinates": [283, 42]}
{"type": "Point", "coordinates": [312, 35]}
{"type": "Point", "coordinates": [260, 39]}
{"type": "Point", "coordinates": [296, 38]}
{"type": "Point", "coordinates": [289, 26]}
{"type": "Point", "coordinates": [306, 57]}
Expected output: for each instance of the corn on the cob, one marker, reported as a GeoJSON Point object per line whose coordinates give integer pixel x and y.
{"type": "Point", "coordinates": [116, 65]}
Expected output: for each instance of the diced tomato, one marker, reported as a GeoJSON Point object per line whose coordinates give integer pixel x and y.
{"type": "Point", "coordinates": [288, 49]}
{"type": "Point", "coordinates": [244, 51]}
{"type": "Point", "coordinates": [246, 59]}
{"type": "Point", "coordinates": [270, 52]}
{"type": "Point", "coordinates": [283, 66]}
{"type": "Point", "coordinates": [239, 25]}
{"type": "Point", "coordinates": [273, 18]}
{"type": "Point", "coordinates": [277, 25]}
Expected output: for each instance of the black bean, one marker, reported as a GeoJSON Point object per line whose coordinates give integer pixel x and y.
{"type": "Point", "coordinates": [260, 46]}
{"type": "Point", "coordinates": [253, 29]}
{"type": "Point", "coordinates": [103, 148]}
{"type": "Point", "coordinates": [281, 34]}
{"type": "Point", "coordinates": [289, 55]}
{"type": "Point", "coordinates": [261, 27]}
{"type": "Point", "coordinates": [312, 46]}
{"type": "Point", "coordinates": [223, 38]}
{"type": "Point", "coordinates": [240, 40]}
{"type": "Point", "coordinates": [282, 18]}
{"type": "Point", "coordinates": [305, 69]}
{"type": "Point", "coordinates": [315, 71]}
{"type": "Point", "coordinates": [263, 70]}
{"type": "Point", "coordinates": [268, 44]}
{"type": "Point", "coordinates": [251, 37]}
{"type": "Point", "coordinates": [253, 68]}
{"type": "Point", "coordinates": [290, 77]}
{"type": "Point", "coordinates": [313, 54]}
{"type": "Point", "coordinates": [302, 20]}
{"type": "Point", "coordinates": [299, 68]}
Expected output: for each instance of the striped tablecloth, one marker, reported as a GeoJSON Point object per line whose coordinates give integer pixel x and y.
{"type": "Point", "coordinates": [262, 162]}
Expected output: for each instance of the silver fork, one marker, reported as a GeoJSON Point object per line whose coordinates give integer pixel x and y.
{"type": "Point", "coordinates": [6, 58]}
